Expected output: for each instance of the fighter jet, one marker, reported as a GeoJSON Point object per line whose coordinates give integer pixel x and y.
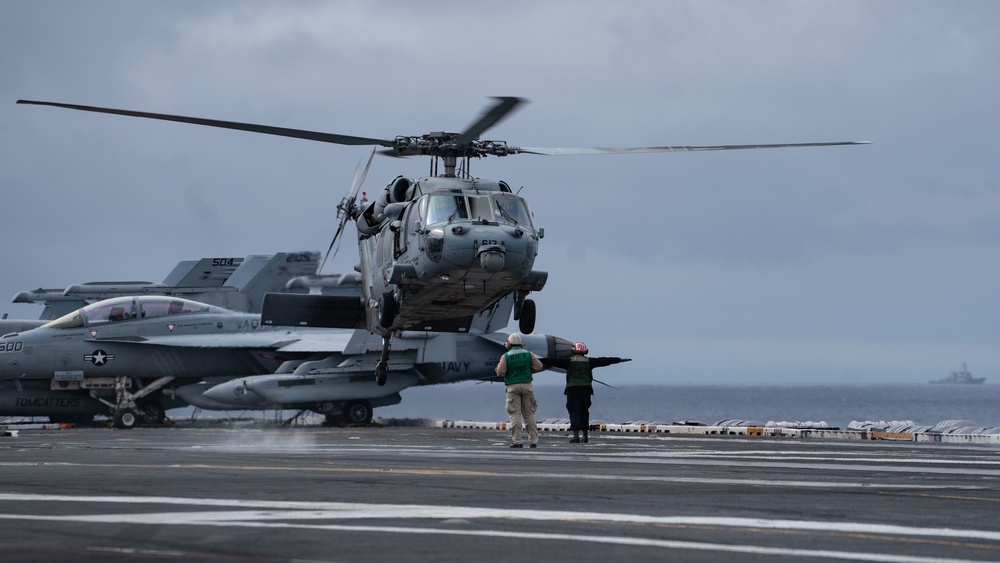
{"type": "Point", "coordinates": [417, 358]}
{"type": "Point", "coordinates": [235, 283]}
{"type": "Point", "coordinates": [135, 357]}
{"type": "Point", "coordinates": [121, 351]}
{"type": "Point", "coordinates": [238, 284]}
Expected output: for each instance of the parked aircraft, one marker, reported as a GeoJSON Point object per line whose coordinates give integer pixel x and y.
{"type": "Point", "coordinates": [238, 284]}
{"type": "Point", "coordinates": [114, 351]}
{"type": "Point", "coordinates": [417, 358]}
{"type": "Point", "coordinates": [134, 357]}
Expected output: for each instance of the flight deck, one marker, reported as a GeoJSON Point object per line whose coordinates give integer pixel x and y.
{"type": "Point", "coordinates": [261, 492]}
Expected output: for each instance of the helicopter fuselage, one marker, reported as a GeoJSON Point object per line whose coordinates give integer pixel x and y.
{"type": "Point", "coordinates": [441, 249]}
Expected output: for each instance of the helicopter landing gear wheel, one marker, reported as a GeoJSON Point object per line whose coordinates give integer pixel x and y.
{"type": "Point", "coordinates": [382, 368]}
{"type": "Point", "coordinates": [526, 322]}
{"type": "Point", "coordinates": [387, 308]}
{"type": "Point", "coordinates": [126, 419]}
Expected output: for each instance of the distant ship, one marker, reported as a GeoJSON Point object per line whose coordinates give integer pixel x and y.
{"type": "Point", "coordinates": [961, 377]}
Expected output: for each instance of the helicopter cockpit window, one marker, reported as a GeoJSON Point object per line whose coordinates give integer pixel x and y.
{"type": "Point", "coordinates": [511, 210]}
{"type": "Point", "coordinates": [446, 207]}
{"type": "Point", "coordinates": [481, 208]}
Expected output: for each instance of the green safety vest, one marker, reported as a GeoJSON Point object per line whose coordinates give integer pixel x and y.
{"type": "Point", "coordinates": [579, 372]}
{"type": "Point", "coordinates": [518, 366]}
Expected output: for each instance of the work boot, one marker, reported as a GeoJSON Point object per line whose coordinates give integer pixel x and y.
{"type": "Point", "coordinates": [517, 445]}
{"type": "Point", "coordinates": [576, 437]}
{"type": "Point", "coordinates": [533, 446]}
{"type": "Point", "coordinates": [585, 439]}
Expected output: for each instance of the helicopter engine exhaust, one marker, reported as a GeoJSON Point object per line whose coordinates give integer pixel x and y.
{"type": "Point", "coordinates": [401, 190]}
{"type": "Point", "coordinates": [389, 204]}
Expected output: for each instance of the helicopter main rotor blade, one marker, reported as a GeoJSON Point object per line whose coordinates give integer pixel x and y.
{"type": "Point", "coordinates": [463, 145]}
{"type": "Point", "coordinates": [552, 151]}
{"type": "Point", "coordinates": [265, 129]}
{"type": "Point", "coordinates": [504, 106]}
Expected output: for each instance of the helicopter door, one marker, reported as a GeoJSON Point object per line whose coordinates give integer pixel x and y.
{"type": "Point", "coordinates": [383, 250]}
{"type": "Point", "coordinates": [398, 238]}
{"type": "Point", "coordinates": [412, 219]}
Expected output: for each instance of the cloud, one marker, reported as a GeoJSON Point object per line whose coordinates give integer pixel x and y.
{"type": "Point", "coordinates": [772, 262]}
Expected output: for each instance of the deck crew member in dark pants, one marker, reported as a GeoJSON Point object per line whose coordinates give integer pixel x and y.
{"type": "Point", "coordinates": [516, 367]}
{"type": "Point", "coordinates": [580, 387]}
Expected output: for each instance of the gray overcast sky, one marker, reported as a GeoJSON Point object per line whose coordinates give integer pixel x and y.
{"type": "Point", "coordinates": [876, 263]}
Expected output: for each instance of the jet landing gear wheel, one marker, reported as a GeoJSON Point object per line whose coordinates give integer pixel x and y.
{"type": "Point", "coordinates": [526, 320]}
{"type": "Point", "coordinates": [358, 412]}
{"type": "Point", "coordinates": [152, 414]}
{"type": "Point", "coordinates": [126, 419]}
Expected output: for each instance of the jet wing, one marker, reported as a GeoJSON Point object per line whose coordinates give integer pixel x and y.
{"type": "Point", "coordinates": [328, 341]}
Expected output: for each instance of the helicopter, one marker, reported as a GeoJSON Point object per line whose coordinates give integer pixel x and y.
{"type": "Point", "coordinates": [434, 251]}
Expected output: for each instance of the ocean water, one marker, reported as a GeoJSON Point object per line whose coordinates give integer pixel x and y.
{"type": "Point", "coordinates": [924, 404]}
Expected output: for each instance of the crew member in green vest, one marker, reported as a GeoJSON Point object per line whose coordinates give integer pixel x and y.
{"type": "Point", "coordinates": [580, 386]}
{"type": "Point", "coordinates": [516, 367]}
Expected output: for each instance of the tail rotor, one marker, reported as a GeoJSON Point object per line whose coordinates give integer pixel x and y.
{"type": "Point", "coordinates": [345, 209]}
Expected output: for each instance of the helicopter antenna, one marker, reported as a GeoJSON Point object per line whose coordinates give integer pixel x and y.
{"type": "Point", "coordinates": [463, 169]}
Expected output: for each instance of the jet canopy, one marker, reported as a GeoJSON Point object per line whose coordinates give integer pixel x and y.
{"type": "Point", "coordinates": [130, 308]}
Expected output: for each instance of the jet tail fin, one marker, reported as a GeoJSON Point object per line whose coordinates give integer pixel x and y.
{"type": "Point", "coordinates": [234, 283]}
{"type": "Point", "coordinates": [204, 273]}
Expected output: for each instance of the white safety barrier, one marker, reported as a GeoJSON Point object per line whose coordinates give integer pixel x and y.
{"type": "Point", "coordinates": [945, 433]}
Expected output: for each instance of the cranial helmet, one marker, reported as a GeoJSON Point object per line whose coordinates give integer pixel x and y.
{"type": "Point", "coordinates": [514, 340]}
{"type": "Point", "coordinates": [580, 348]}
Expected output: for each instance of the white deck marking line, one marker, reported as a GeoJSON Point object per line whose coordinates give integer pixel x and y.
{"type": "Point", "coordinates": [341, 510]}
{"type": "Point", "coordinates": [182, 519]}
{"type": "Point", "coordinates": [589, 476]}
